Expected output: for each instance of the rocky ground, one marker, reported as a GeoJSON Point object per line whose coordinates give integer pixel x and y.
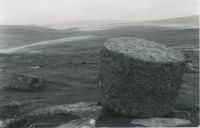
{"type": "Point", "coordinates": [69, 75]}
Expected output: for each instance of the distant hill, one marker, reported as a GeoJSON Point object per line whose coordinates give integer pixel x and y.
{"type": "Point", "coordinates": [84, 24]}
{"type": "Point", "coordinates": [179, 21]}
{"type": "Point", "coordinates": [187, 21]}
{"type": "Point", "coordinates": [27, 30]}
{"type": "Point", "coordinates": [16, 35]}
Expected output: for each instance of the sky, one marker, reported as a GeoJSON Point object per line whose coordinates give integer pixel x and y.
{"type": "Point", "coordinates": [55, 11]}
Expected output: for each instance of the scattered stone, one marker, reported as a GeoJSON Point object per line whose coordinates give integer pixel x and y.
{"type": "Point", "coordinates": [14, 104]}
{"type": "Point", "coordinates": [25, 82]}
{"type": "Point", "coordinates": [196, 108]}
{"type": "Point", "coordinates": [139, 78]}
{"type": "Point", "coordinates": [34, 52]}
{"type": "Point", "coordinates": [37, 125]}
{"type": "Point", "coordinates": [35, 67]}
{"type": "Point", "coordinates": [189, 68]}
{"type": "Point", "coordinates": [161, 122]}
{"type": "Point", "coordinates": [70, 111]}
{"type": "Point", "coordinates": [79, 123]}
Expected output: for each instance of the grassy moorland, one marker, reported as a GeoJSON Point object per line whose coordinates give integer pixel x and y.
{"type": "Point", "coordinates": [16, 35]}
{"type": "Point", "coordinates": [70, 70]}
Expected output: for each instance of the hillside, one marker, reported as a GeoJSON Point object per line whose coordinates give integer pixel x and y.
{"type": "Point", "coordinates": [187, 21]}
{"type": "Point", "coordinates": [83, 24]}
{"type": "Point", "coordinates": [184, 21]}
{"type": "Point", "coordinates": [26, 29]}
{"type": "Point", "coordinates": [16, 35]}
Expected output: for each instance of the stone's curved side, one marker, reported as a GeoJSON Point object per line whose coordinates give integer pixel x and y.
{"type": "Point", "coordinates": [139, 78]}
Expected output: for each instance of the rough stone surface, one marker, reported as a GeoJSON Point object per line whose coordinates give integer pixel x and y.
{"type": "Point", "coordinates": [139, 78]}
{"type": "Point", "coordinates": [25, 82]}
{"type": "Point", "coordinates": [161, 122]}
{"type": "Point", "coordinates": [67, 112]}
{"type": "Point", "coordinates": [1, 124]}
{"type": "Point", "coordinates": [79, 123]}
{"type": "Point", "coordinates": [81, 110]}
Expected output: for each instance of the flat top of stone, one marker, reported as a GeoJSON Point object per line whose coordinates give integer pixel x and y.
{"type": "Point", "coordinates": [143, 50]}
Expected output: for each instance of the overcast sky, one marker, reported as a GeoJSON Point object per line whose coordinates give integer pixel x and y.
{"type": "Point", "coordinates": [50, 11]}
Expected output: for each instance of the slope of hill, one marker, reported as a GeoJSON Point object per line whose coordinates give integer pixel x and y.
{"type": "Point", "coordinates": [84, 24]}
{"type": "Point", "coordinates": [187, 21]}
{"type": "Point", "coordinates": [28, 30]}
{"type": "Point", "coordinates": [178, 21]}
{"type": "Point", "coordinates": [16, 35]}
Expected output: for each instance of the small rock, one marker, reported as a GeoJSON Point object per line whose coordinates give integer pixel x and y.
{"type": "Point", "coordinates": [35, 67]}
{"type": "Point", "coordinates": [33, 52]}
{"type": "Point", "coordinates": [25, 82]}
{"type": "Point", "coordinates": [18, 104]}
{"type": "Point", "coordinates": [189, 68]}
{"type": "Point", "coordinates": [37, 125]}
{"type": "Point", "coordinates": [13, 104]}
{"type": "Point", "coordinates": [196, 108]}
{"type": "Point", "coordinates": [79, 123]}
{"type": "Point", "coordinates": [161, 122]}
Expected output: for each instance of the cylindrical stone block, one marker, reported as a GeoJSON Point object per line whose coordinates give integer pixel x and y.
{"type": "Point", "coordinates": [139, 78]}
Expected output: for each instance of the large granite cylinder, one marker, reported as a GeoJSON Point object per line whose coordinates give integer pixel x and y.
{"type": "Point", "coordinates": [139, 78]}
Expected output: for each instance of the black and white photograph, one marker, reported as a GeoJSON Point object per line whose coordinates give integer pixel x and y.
{"type": "Point", "coordinates": [99, 63]}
